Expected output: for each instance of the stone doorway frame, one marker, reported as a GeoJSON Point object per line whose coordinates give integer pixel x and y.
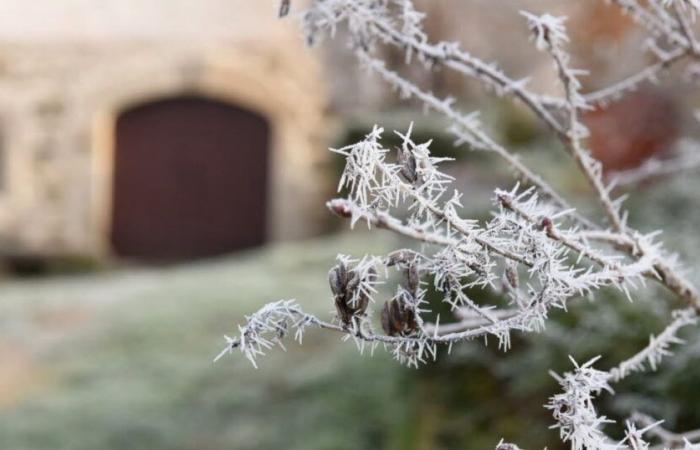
{"type": "Point", "coordinates": [295, 193]}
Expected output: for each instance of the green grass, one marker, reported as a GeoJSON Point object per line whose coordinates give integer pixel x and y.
{"type": "Point", "coordinates": [124, 361]}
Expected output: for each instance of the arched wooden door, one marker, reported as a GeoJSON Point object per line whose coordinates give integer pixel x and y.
{"type": "Point", "coordinates": [190, 179]}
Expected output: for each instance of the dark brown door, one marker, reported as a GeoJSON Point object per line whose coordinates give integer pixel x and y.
{"type": "Point", "coordinates": [190, 178]}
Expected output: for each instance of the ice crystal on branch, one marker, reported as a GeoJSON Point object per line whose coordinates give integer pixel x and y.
{"type": "Point", "coordinates": [265, 329]}
{"type": "Point", "coordinates": [549, 31]}
{"type": "Point", "coordinates": [658, 348]}
{"type": "Point", "coordinates": [573, 410]}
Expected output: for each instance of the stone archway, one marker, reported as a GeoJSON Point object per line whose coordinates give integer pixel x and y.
{"type": "Point", "coordinates": [295, 132]}
{"type": "Point", "coordinates": [189, 179]}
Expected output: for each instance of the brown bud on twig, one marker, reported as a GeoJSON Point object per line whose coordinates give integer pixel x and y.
{"type": "Point", "coordinates": [546, 224]}
{"type": "Point", "coordinates": [353, 282]}
{"type": "Point", "coordinates": [397, 257]}
{"type": "Point", "coordinates": [413, 278]}
{"type": "Point", "coordinates": [345, 309]}
{"type": "Point", "coordinates": [338, 278]}
{"type": "Point", "coordinates": [407, 163]}
{"type": "Point", "coordinates": [401, 257]}
{"type": "Point", "coordinates": [344, 283]}
{"type": "Point", "coordinates": [398, 317]}
{"type": "Point", "coordinates": [505, 199]}
{"type": "Point", "coordinates": [340, 207]}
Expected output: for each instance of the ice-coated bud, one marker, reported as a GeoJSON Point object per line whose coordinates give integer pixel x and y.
{"type": "Point", "coordinates": [344, 284]}
{"type": "Point", "coordinates": [413, 278]}
{"type": "Point", "coordinates": [407, 163]}
{"type": "Point", "coordinates": [398, 317]}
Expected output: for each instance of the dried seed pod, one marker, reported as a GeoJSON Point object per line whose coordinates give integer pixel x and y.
{"type": "Point", "coordinates": [352, 283]}
{"type": "Point", "coordinates": [398, 317]}
{"type": "Point", "coordinates": [337, 278]}
{"type": "Point", "coordinates": [397, 257]}
{"type": "Point", "coordinates": [402, 258]}
{"type": "Point", "coordinates": [387, 321]}
{"type": "Point", "coordinates": [361, 304]}
{"type": "Point", "coordinates": [344, 283]}
{"type": "Point", "coordinates": [362, 301]}
{"type": "Point", "coordinates": [410, 319]}
{"type": "Point", "coordinates": [407, 163]}
{"type": "Point", "coordinates": [346, 311]}
{"type": "Point", "coordinates": [413, 278]}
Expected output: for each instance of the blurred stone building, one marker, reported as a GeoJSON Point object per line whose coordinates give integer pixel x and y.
{"type": "Point", "coordinates": [160, 129]}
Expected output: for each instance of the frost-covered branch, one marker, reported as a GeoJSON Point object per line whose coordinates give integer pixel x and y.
{"type": "Point", "coordinates": [370, 21]}
{"type": "Point", "coordinates": [658, 347]}
{"type": "Point", "coordinates": [550, 35]}
{"type": "Point", "coordinates": [574, 412]}
{"type": "Point", "coordinates": [608, 94]}
{"type": "Point", "coordinates": [668, 439]}
{"type": "Point", "coordinates": [460, 254]}
{"type": "Point", "coordinates": [536, 252]}
{"type": "Point", "coordinates": [467, 130]}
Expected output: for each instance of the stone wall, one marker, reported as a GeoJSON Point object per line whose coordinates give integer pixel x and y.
{"type": "Point", "coordinates": [63, 84]}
